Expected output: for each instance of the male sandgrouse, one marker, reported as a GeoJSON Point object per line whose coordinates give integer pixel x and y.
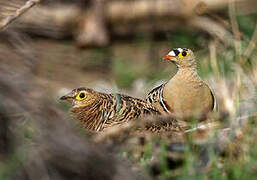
{"type": "Point", "coordinates": [97, 111]}
{"type": "Point", "coordinates": [185, 95]}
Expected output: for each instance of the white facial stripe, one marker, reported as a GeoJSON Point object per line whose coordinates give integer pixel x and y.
{"type": "Point", "coordinates": [180, 49]}
{"type": "Point", "coordinates": [83, 91]}
{"type": "Point", "coordinates": [171, 53]}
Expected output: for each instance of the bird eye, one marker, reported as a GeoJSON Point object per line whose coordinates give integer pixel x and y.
{"type": "Point", "coordinates": [81, 96]}
{"type": "Point", "coordinates": [184, 53]}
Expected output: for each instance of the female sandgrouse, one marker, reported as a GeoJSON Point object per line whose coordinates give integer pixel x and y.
{"type": "Point", "coordinates": [97, 111]}
{"type": "Point", "coordinates": [185, 95]}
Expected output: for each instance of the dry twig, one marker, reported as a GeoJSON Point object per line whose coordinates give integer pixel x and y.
{"type": "Point", "coordinates": [213, 58]}
{"type": "Point", "coordinates": [29, 4]}
{"type": "Point", "coordinates": [235, 27]}
{"type": "Point", "coordinates": [214, 28]}
{"type": "Point", "coordinates": [252, 44]}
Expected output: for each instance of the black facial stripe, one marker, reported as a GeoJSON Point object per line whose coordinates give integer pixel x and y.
{"type": "Point", "coordinates": [176, 52]}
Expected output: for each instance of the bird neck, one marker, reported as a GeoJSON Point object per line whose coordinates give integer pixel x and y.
{"type": "Point", "coordinates": [188, 74]}
{"type": "Point", "coordinates": [188, 64]}
{"type": "Point", "coordinates": [89, 115]}
{"type": "Point", "coordinates": [187, 70]}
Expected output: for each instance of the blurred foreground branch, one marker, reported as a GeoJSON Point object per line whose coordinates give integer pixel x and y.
{"type": "Point", "coordinates": [37, 141]}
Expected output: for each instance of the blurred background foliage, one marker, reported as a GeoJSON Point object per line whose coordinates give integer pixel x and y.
{"type": "Point", "coordinates": [117, 46]}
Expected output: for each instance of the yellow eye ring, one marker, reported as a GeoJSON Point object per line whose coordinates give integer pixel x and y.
{"type": "Point", "coordinates": [183, 54]}
{"type": "Point", "coordinates": [81, 96]}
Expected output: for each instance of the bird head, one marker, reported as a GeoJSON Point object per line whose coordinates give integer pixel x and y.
{"type": "Point", "coordinates": [80, 96]}
{"type": "Point", "coordinates": [182, 57]}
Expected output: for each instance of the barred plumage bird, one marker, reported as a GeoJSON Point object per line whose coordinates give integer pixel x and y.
{"type": "Point", "coordinates": [97, 111]}
{"type": "Point", "coordinates": [185, 95]}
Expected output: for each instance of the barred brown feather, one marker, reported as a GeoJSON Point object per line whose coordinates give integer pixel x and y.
{"type": "Point", "coordinates": [99, 110]}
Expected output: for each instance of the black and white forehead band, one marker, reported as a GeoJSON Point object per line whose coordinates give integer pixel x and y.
{"type": "Point", "coordinates": [176, 51]}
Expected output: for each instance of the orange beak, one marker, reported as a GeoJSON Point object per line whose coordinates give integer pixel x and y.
{"type": "Point", "coordinates": [167, 57]}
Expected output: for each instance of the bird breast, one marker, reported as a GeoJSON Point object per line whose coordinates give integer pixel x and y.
{"type": "Point", "coordinates": [187, 97]}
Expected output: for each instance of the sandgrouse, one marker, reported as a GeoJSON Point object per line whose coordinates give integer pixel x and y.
{"type": "Point", "coordinates": [97, 111]}
{"type": "Point", "coordinates": [185, 95]}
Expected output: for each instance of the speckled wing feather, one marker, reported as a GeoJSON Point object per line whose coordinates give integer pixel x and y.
{"type": "Point", "coordinates": [112, 109]}
{"type": "Point", "coordinates": [214, 100]}
{"type": "Point", "coordinates": [156, 97]}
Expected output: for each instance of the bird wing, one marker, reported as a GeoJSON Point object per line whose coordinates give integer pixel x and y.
{"type": "Point", "coordinates": [132, 108]}
{"type": "Point", "coordinates": [214, 100]}
{"type": "Point", "coordinates": [156, 96]}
